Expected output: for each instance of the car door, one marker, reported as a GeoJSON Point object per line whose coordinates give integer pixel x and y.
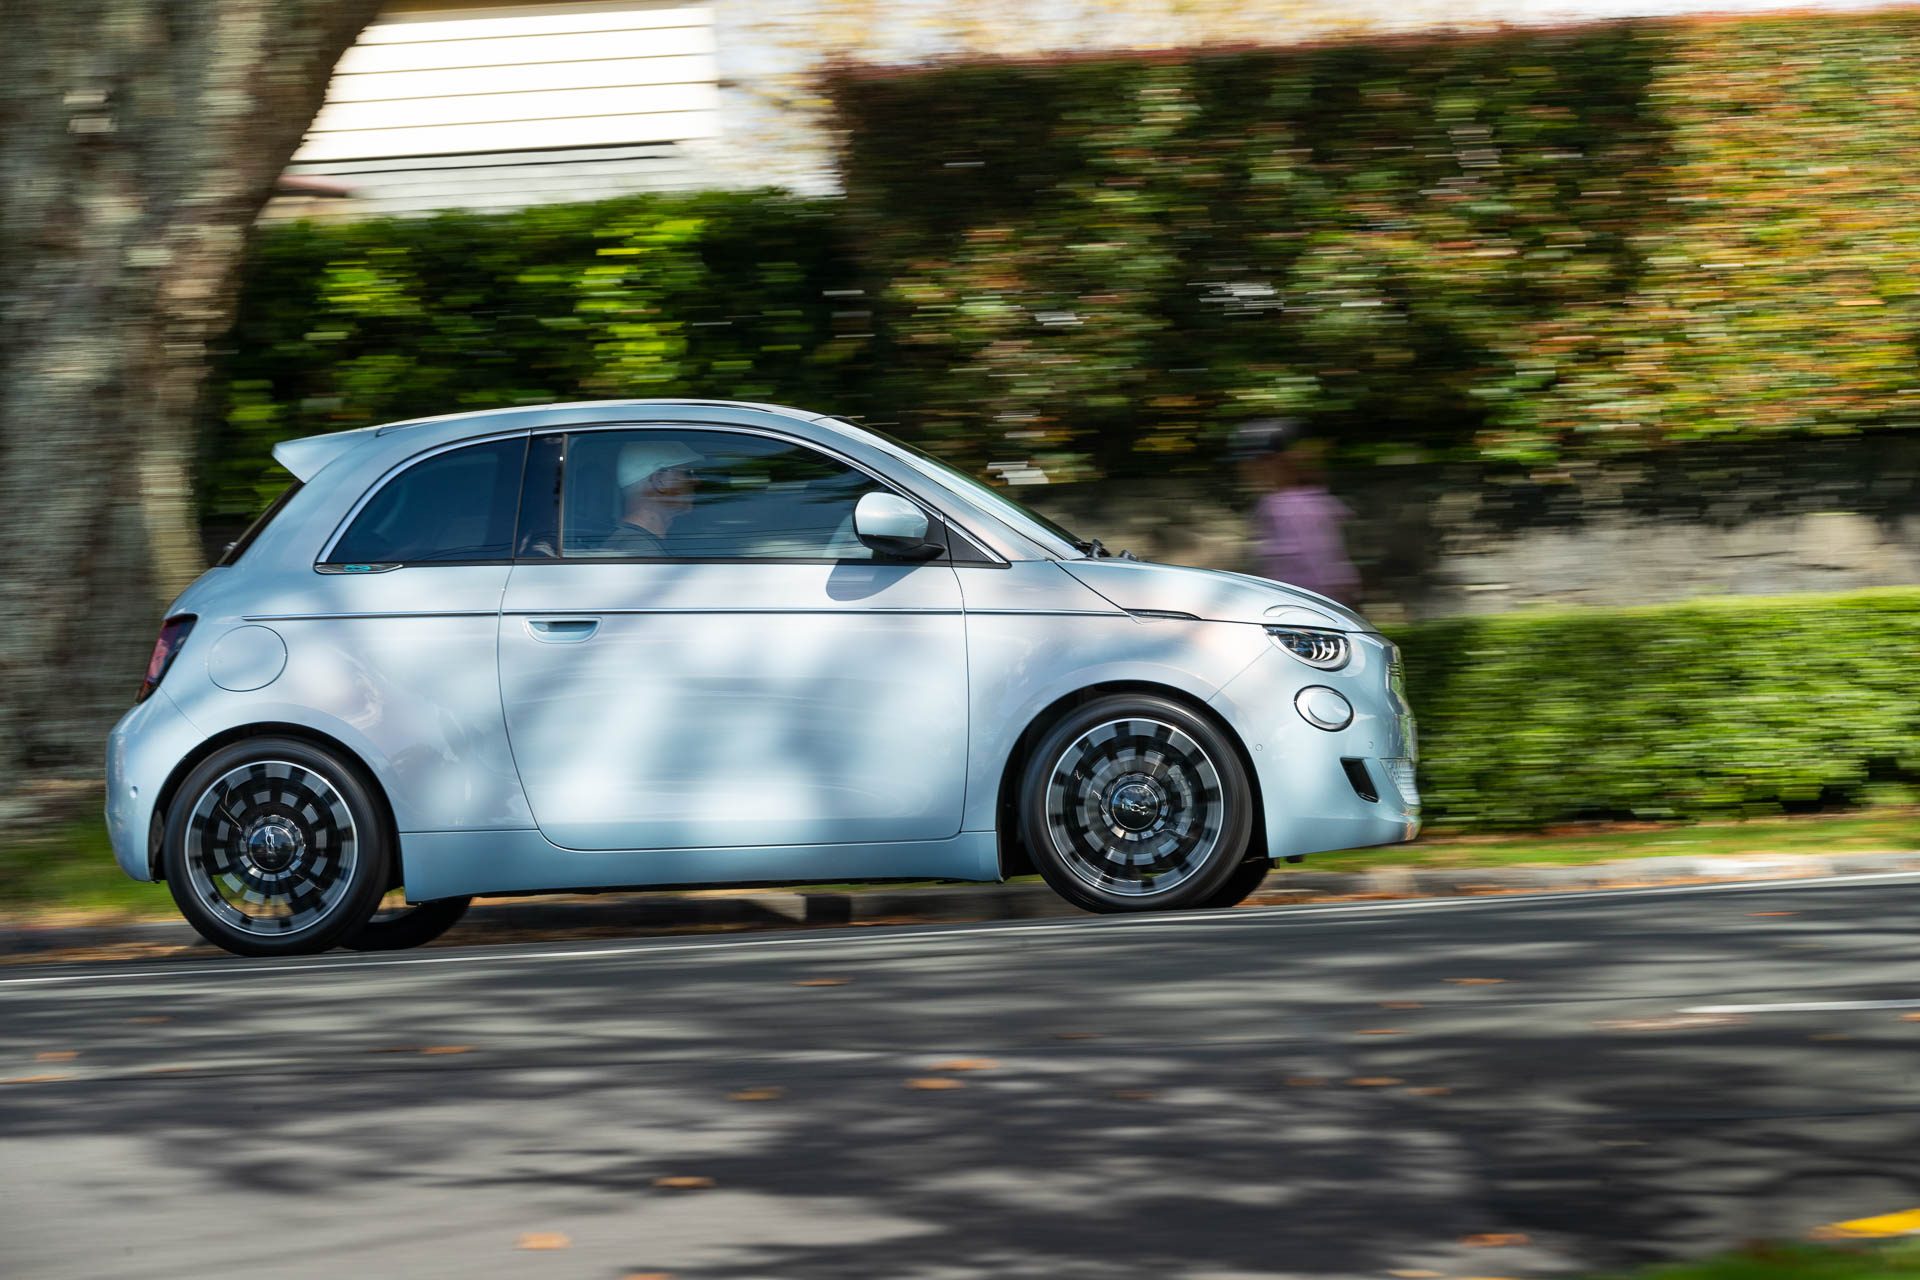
{"type": "Point", "coordinates": [395, 633]}
{"type": "Point", "coordinates": [696, 651]}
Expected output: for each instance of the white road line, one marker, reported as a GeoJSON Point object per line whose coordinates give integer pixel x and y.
{"type": "Point", "coordinates": [865, 939]}
{"type": "Point", "coordinates": [1809, 1006]}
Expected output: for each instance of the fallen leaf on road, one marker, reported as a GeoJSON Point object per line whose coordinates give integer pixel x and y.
{"type": "Point", "coordinates": [755, 1095]}
{"type": "Point", "coordinates": [822, 982]}
{"type": "Point", "coordinates": [1401, 1004]}
{"type": "Point", "coordinates": [1475, 982]}
{"type": "Point", "coordinates": [966, 1064]}
{"type": "Point", "coordinates": [1904, 1223]}
{"type": "Point", "coordinates": [1673, 1022]}
{"type": "Point", "coordinates": [1910, 1017]}
{"type": "Point", "coordinates": [1493, 1240]}
{"type": "Point", "coordinates": [684, 1182]}
{"type": "Point", "coordinates": [56, 1055]}
{"type": "Point", "coordinates": [934, 1082]}
{"type": "Point", "coordinates": [543, 1240]}
{"type": "Point", "coordinates": [1430, 1091]}
{"type": "Point", "coordinates": [1374, 1082]}
{"type": "Point", "coordinates": [41, 1079]}
{"type": "Point", "coordinates": [1305, 1082]}
{"type": "Point", "coordinates": [1380, 1031]}
{"type": "Point", "coordinates": [422, 1048]}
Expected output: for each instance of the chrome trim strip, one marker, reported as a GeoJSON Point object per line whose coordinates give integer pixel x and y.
{"type": "Point", "coordinates": [709, 609]}
{"type": "Point", "coordinates": [337, 617]}
{"type": "Point", "coordinates": [1050, 613]}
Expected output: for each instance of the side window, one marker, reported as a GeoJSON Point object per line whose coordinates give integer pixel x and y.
{"type": "Point", "coordinates": [238, 547]}
{"type": "Point", "coordinates": [457, 505]}
{"type": "Point", "coordinates": [707, 495]}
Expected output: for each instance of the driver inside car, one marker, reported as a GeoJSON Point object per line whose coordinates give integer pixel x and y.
{"type": "Point", "coordinates": [656, 488]}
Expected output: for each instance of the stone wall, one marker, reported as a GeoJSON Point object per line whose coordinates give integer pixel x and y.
{"type": "Point", "coordinates": [1435, 541]}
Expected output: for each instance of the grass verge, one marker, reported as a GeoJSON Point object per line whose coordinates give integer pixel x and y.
{"type": "Point", "coordinates": [70, 870]}
{"type": "Point", "coordinates": [1885, 830]}
{"type": "Point", "coordinates": [1798, 1262]}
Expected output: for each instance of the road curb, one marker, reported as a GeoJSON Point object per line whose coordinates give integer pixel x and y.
{"type": "Point", "coordinates": [509, 919]}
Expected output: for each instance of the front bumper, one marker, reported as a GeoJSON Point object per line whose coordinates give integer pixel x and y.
{"type": "Point", "coordinates": [142, 751]}
{"type": "Point", "coordinates": [1312, 803]}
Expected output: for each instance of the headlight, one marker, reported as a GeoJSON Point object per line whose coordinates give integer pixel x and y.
{"type": "Point", "coordinates": [1327, 650]}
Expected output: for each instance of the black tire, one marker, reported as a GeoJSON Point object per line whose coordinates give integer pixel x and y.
{"type": "Point", "coordinates": [1133, 802]}
{"type": "Point", "coordinates": [404, 927]}
{"type": "Point", "coordinates": [275, 847]}
{"type": "Point", "coordinates": [1240, 885]}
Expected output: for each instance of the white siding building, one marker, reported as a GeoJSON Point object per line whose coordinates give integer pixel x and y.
{"type": "Point", "coordinates": [504, 105]}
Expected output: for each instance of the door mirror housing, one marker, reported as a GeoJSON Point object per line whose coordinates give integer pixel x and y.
{"type": "Point", "coordinates": [893, 526]}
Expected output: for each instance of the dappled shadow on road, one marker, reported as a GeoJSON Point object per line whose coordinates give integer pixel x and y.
{"type": "Point", "coordinates": [1248, 1098]}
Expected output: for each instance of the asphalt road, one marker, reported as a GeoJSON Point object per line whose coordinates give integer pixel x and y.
{"type": "Point", "coordinates": [1506, 1087]}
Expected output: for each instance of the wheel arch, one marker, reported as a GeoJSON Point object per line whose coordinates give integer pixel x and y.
{"type": "Point", "coordinates": [1014, 858]}
{"type": "Point", "coordinates": [163, 802]}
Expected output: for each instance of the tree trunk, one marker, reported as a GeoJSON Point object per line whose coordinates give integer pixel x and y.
{"type": "Point", "coordinates": [138, 141]}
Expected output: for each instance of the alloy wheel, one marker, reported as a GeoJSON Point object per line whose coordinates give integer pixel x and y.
{"type": "Point", "coordinates": [271, 848]}
{"type": "Point", "coordinates": [1133, 807]}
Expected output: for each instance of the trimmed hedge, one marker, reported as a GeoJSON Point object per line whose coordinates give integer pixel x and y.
{"type": "Point", "coordinates": [737, 295]}
{"type": "Point", "coordinates": [1723, 707]}
{"type": "Point", "coordinates": [1507, 246]}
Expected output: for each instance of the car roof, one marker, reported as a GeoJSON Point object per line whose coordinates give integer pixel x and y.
{"type": "Point", "coordinates": [306, 456]}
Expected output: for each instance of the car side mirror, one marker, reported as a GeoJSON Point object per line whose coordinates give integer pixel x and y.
{"type": "Point", "coordinates": [893, 526]}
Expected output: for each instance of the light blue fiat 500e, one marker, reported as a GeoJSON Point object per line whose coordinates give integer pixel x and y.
{"type": "Point", "coordinates": [649, 643]}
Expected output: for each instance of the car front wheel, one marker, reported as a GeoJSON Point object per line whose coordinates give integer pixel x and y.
{"type": "Point", "coordinates": [275, 847]}
{"type": "Point", "coordinates": [1132, 802]}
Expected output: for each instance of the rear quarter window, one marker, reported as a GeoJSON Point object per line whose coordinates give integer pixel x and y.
{"type": "Point", "coordinates": [454, 506]}
{"type": "Point", "coordinates": [238, 547]}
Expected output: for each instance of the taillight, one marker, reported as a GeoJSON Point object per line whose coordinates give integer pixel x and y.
{"type": "Point", "coordinates": [173, 634]}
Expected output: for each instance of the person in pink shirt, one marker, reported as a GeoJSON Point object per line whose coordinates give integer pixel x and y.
{"type": "Point", "coordinates": [1298, 525]}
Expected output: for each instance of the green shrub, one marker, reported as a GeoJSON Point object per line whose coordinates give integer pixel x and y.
{"type": "Point", "coordinates": [738, 295]}
{"type": "Point", "coordinates": [1732, 706]}
{"type": "Point", "coordinates": [1508, 246]}
{"type": "Point", "coordinates": [1503, 248]}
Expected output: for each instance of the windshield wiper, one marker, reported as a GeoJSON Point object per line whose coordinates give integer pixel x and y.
{"type": "Point", "coordinates": [1094, 549]}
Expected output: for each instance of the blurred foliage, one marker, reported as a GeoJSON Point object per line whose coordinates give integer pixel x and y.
{"type": "Point", "coordinates": [735, 295]}
{"type": "Point", "coordinates": [1501, 247]}
{"type": "Point", "coordinates": [1791, 1260]}
{"type": "Point", "coordinates": [1736, 706]}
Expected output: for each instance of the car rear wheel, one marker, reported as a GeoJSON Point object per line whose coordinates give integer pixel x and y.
{"type": "Point", "coordinates": [1132, 802]}
{"type": "Point", "coordinates": [275, 847]}
{"type": "Point", "coordinates": [407, 926]}
{"type": "Point", "coordinates": [1240, 885]}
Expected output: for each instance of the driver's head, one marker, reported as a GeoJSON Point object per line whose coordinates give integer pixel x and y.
{"type": "Point", "coordinates": [656, 471]}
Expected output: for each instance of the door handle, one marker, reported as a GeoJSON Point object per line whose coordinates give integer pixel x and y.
{"type": "Point", "coordinates": [562, 630]}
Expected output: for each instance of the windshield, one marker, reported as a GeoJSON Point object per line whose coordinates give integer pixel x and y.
{"type": "Point", "coordinates": [1048, 533]}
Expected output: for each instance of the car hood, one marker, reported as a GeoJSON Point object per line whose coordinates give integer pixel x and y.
{"type": "Point", "coordinates": [1141, 586]}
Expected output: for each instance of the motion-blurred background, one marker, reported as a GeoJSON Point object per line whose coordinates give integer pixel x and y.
{"type": "Point", "coordinates": [1605, 315]}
